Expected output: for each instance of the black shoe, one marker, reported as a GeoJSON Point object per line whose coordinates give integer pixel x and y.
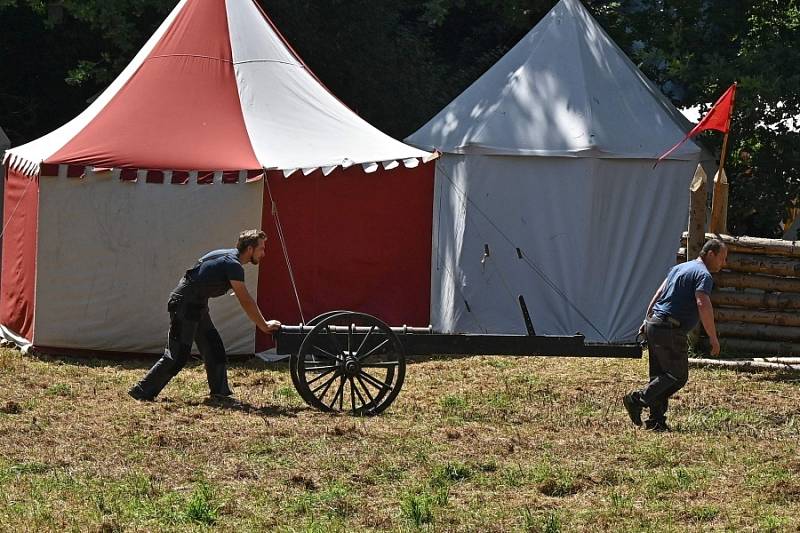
{"type": "Point", "coordinates": [137, 393]}
{"type": "Point", "coordinates": [633, 408]}
{"type": "Point", "coordinates": [657, 426]}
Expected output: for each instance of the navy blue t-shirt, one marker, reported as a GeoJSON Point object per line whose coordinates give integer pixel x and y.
{"type": "Point", "coordinates": [678, 298]}
{"type": "Point", "coordinates": [213, 273]}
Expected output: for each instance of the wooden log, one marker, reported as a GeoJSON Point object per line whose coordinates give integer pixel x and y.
{"type": "Point", "coordinates": [762, 264]}
{"type": "Point", "coordinates": [744, 365]}
{"type": "Point", "coordinates": [782, 360]}
{"type": "Point", "coordinates": [756, 281]}
{"type": "Point", "coordinates": [751, 316]}
{"type": "Point", "coordinates": [764, 300]}
{"type": "Point", "coordinates": [757, 347]}
{"type": "Point", "coordinates": [764, 332]}
{"type": "Point", "coordinates": [756, 245]}
{"type": "Point", "coordinates": [698, 195]}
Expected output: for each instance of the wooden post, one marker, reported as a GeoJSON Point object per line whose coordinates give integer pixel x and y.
{"type": "Point", "coordinates": [719, 203]}
{"type": "Point", "coordinates": [697, 214]}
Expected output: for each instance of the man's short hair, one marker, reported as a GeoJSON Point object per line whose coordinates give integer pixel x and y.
{"type": "Point", "coordinates": [250, 237]}
{"type": "Point", "coordinates": [712, 245]}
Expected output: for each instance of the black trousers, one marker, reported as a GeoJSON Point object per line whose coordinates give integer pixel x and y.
{"type": "Point", "coordinates": [669, 367]}
{"type": "Point", "coordinates": [189, 322]}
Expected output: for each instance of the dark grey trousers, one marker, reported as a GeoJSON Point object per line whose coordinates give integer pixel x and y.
{"type": "Point", "coordinates": [669, 367]}
{"type": "Point", "coordinates": [189, 322]}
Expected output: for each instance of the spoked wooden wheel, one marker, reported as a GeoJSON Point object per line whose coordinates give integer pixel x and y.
{"type": "Point", "coordinates": [349, 362]}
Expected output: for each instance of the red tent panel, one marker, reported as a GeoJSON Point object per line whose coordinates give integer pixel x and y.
{"type": "Point", "coordinates": [18, 279]}
{"type": "Point", "coordinates": [180, 111]}
{"type": "Point", "coordinates": [356, 241]}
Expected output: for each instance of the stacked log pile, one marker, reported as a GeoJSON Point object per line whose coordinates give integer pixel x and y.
{"type": "Point", "coordinates": [756, 297]}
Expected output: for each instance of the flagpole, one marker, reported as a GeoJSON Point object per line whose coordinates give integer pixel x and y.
{"type": "Point", "coordinates": [719, 201]}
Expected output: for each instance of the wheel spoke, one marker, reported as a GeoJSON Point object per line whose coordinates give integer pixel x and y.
{"type": "Point", "coordinates": [318, 368]}
{"type": "Point", "coordinates": [352, 396]}
{"type": "Point", "coordinates": [384, 364]}
{"type": "Point", "coordinates": [366, 389]}
{"type": "Point", "coordinates": [327, 385]}
{"type": "Point", "coordinates": [339, 391]}
{"type": "Point", "coordinates": [364, 341]}
{"type": "Point", "coordinates": [319, 377]}
{"type": "Point", "coordinates": [354, 388]}
{"type": "Point", "coordinates": [325, 354]}
{"type": "Point", "coordinates": [375, 349]}
{"type": "Point", "coordinates": [334, 342]}
{"type": "Point", "coordinates": [341, 396]}
{"type": "Point", "coordinates": [350, 339]}
{"type": "Point", "coordinates": [375, 382]}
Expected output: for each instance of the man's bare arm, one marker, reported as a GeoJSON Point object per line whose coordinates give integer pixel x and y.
{"type": "Point", "coordinates": [656, 296]}
{"type": "Point", "coordinates": [706, 311]}
{"type": "Point", "coordinates": [251, 308]}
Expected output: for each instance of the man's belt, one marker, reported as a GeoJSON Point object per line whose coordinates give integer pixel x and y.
{"type": "Point", "coordinates": [667, 321]}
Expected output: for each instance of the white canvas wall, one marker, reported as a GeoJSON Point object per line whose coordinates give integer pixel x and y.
{"type": "Point", "coordinates": [601, 230]}
{"type": "Point", "coordinates": [109, 252]}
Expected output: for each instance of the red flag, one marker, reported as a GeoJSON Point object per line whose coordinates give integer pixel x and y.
{"type": "Point", "coordinates": [718, 118]}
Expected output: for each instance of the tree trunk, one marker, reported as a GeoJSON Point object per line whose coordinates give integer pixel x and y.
{"type": "Point", "coordinates": [744, 365]}
{"type": "Point", "coordinates": [750, 316]}
{"type": "Point", "coordinates": [756, 347]}
{"type": "Point", "coordinates": [762, 264]}
{"type": "Point", "coordinates": [766, 300]}
{"type": "Point", "coordinates": [698, 195]}
{"type": "Point", "coordinates": [756, 245]}
{"type": "Point", "coordinates": [755, 281]}
{"type": "Point", "coordinates": [762, 332]}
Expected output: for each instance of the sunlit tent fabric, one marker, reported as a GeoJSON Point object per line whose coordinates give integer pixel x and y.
{"type": "Point", "coordinates": [177, 156]}
{"type": "Point", "coordinates": [547, 189]}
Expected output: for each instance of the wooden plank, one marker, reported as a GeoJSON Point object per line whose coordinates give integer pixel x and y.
{"type": "Point", "coordinates": [751, 316]}
{"type": "Point", "coordinates": [756, 281]}
{"type": "Point", "coordinates": [762, 264]}
{"type": "Point", "coordinates": [764, 332]}
{"type": "Point", "coordinates": [764, 300]}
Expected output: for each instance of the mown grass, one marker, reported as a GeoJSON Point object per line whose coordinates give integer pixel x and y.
{"type": "Point", "coordinates": [471, 444]}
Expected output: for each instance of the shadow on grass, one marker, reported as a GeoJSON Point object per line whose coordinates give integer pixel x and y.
{"type": "Point", "coordinates": [269, 411]}
{"type": "Point", "coordinates": [144, 361]}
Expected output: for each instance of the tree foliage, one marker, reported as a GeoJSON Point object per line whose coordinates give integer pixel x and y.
{"type": "Point", "coordinates": [398, 63]}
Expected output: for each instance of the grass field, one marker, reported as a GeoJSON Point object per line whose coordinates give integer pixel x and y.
{"type": "Point", "coordinates": [471, 444]}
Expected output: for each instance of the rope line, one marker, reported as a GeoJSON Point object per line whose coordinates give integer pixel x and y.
{"type": "Point", "coordinates": [13, 211]}
{"type": "Point", "coordinates": [282, 239]}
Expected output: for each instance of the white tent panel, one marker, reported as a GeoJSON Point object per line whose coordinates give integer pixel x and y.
{"type": "Point", "coordinates": [110, 252]}
{"type": "Point", "coordinates": [597, 230]}
{"type": "Point", "coordinates": [293, 121]}
{"type": "Point", "coordinates": [564, 90]}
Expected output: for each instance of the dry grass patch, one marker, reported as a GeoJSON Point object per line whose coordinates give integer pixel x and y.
{"type": "Point", "coordinates": [471, 444]}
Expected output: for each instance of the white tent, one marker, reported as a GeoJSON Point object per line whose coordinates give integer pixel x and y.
{"type": "Point", "coordinates": [547, 188]}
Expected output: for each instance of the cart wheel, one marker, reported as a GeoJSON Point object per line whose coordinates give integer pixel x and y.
{"type": "Point", "coordinates": [293, 359]}
{"type": "Point", "coordinates": [361, 372]}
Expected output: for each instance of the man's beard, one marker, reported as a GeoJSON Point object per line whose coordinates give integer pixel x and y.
{"type": "Point", "coordinates": [254, 261]}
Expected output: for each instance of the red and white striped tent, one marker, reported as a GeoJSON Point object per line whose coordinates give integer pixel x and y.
{"type": "Point", "coordinates": [215, 116]}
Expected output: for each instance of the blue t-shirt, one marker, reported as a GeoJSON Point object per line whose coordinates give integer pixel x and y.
{"type": "Point", "coordinates": [213, 273]}
{"type": "Point", "coordinates": [678, 298]}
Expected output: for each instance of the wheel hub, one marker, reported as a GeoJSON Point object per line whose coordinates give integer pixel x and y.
{"type": "Point", "coordinates": [351, 367]}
